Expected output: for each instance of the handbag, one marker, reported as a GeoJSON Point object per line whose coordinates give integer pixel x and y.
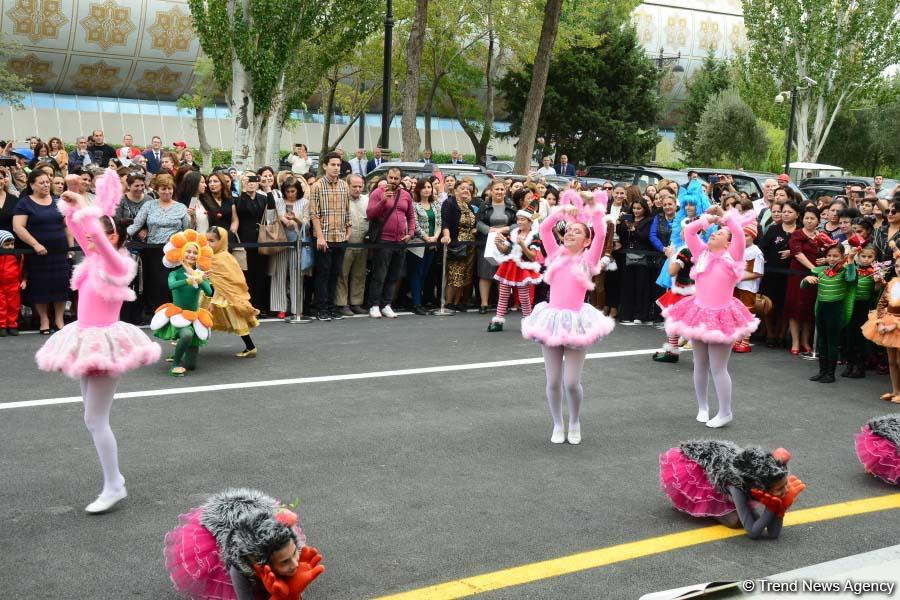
{"type": "Point", "coordinates": [307, 253]}
{"type": "Point", "coordinates": [633, 259]}
{"type": "Point", "coordinates": [271, 232]}
{"type": "Point", "coordinates": [373, 234]}
{"type": "Point", "coordinates": [240, 254]}
{"type": "Point", "coordinates": [457, 251]}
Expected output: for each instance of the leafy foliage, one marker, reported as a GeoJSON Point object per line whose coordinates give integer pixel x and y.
{"type": "Point", "coordinates": [712, 77]}
{"type": "Point", "coordinates": [12, 86]}
{"type": "Point", "coordinates": [600, 103]}
{"type": "Point", "coordinates": [728, 128]}
{"type": "Point", "coordinates": [843, 46]}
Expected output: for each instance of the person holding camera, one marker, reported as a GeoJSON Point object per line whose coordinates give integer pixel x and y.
{"type": "Point", "coordinates": [634, 234]}
{"type": "Point", "coordinates": [393, 207]}
{"type": "Point", "coordinates": [299, 160]}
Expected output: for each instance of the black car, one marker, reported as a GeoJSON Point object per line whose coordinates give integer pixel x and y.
{"type": "Point", "coordinates": [751, 182]}
{"type": "Point", "coordinates": [481, 178]}
{"type": "Point", "coordinates": [635, 175]}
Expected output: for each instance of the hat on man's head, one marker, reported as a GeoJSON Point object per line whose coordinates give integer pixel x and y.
{"type": "Point", "coordinates": [784, 178]}
{"type": "Point", "coordinates": [180, 144]}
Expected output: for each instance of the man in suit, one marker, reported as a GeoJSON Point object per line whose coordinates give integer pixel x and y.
{"type": "Point", "coordinates": [372, 164]}
{"type": "Point", "coordinates": [426, 157]}
{"type": "Point", "coordinates": [359, 165]}
{"type": "Point", "coordinates": [565, 167]}
{"type": "Point", "coordinates": [154, 154]}
{"type": "Point", "coordinates": [456, 158]}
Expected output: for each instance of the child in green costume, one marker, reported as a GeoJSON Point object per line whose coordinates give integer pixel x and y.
{"type": "Point", "coordinates": [183, 320]}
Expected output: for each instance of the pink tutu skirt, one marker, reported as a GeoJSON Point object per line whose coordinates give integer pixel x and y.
{"type": "Point", "coordinates": [563, 327]}
{"type": "Point", "coordinates": [192, 559]}
{"type": "Point", "coordinates": [878, 456]}
{"type": "Point", "coordinates": [726, 325]}
{"type": "Point", "coordinates": [688, 487]}
{"type": "Point", "coordinates": [113, 350]}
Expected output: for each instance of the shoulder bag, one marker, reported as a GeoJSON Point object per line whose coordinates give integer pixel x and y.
{"type": "Point", "coordinates": [271, 232]}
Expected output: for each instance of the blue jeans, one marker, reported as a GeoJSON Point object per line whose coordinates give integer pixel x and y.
{"type": "Point", "coordinates": [417, 271]}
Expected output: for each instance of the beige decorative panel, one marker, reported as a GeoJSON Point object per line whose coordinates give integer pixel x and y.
{"type": "Point", "coordinates": [132, 48]}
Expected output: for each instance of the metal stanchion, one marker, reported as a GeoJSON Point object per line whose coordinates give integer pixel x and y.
{"type": "Point", "coordinates": [297, 287]}
{"type": "Point", "coordinates": [442, 311]}
{"type": "Point", "coordinates": [812, 355]}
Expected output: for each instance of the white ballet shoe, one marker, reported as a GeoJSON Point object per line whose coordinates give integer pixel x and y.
{"type": "Point", "coordinates": [104, 503]}
{"type": "Point", "coordinates": [574, 436]}
{"type": "Point", "coordinates": [558, 437]}
{"type": "Point", "coordinates": [719, 420]}
{"type": "Point", "coordinates": [703, 416]}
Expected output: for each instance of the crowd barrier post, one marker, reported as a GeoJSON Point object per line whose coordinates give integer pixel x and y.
{"type": "Point", "coordinates": [297, 286]}
{"type": "Point", "coordinates": [443, 311]}
{"type": "Point", "coordinates": [812, 355]}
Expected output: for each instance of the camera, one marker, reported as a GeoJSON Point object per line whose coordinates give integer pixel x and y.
{"type": "Point", "coordinates": [713, 179]}
{"type": "Point", "coordinates": [8, 161]}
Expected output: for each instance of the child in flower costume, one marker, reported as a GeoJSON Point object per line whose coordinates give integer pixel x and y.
{"type": "Point", "coordinates": [183, 320]}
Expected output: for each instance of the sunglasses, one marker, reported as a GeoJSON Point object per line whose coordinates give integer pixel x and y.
{"type": "Point", "coordinates": [608, 189]}
{"type": "Point", "coordinates": [893, 211]}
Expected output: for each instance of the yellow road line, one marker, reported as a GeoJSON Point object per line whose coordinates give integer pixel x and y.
{"type": "Point", "coordinates": [479, 584]}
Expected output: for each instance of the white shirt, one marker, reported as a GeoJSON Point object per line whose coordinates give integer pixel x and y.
{"type": "Point", "coordinates": [299, 165]}
{"type": "Point", "coordinates": [359, 166]}
{"type": "Point", "coordinates": [755, 254]}
{"type": "Point", "coordinates": [759, 205]}
{"type": "Point", "coordinates": [359, 223]}
{"type": "Point", "coordinates": [124, 155]}
{"type": "Point", "coordinates": [546, 171]}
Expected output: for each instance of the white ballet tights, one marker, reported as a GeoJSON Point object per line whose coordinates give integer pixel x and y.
{"type": "Point", "coordinates": [568, 374]}
{"type": "Point", "coordinates": [712, 357]}
{"type": "Point", "coordinates": [97, 392]}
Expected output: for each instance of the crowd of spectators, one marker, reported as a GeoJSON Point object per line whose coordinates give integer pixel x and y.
{"type": "Point", "coordinates": [335, 211]}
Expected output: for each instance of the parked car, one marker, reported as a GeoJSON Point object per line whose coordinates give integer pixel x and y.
{"type": "Point", "coordinates": [751, 182]}
{"type": "Point", "coordinates": [635, 175]}
{"type": "Point", "coordinates": [478, 174]}
{"type": "Point", "coordinates": [501, 166]}
{"type": "Point", "coordinates": [814, 192]}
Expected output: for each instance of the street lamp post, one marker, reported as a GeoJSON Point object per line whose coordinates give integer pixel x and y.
{"type": "Point", "coordinates": [790, 135]}
{"type": "Point", "coordinates": [385, 140]}
{"type": "Point", "coordinates": [808, 82]}
{"type": "Point", "coordinates": [663, 61]}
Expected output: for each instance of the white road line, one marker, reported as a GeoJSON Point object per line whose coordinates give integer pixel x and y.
{"type": "Point", "coordinates": [318, 379]}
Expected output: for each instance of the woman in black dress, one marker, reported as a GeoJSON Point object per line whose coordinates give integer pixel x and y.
{"type": "Point", "coordinates": [250, 206]}
{"type": "Point", "coordinates": [634, 234]}
{"type": "Point", "coordinates": [8, 201]}
{"type": "Point", "coordinates": [39, 224]}
{"type": "Point", "coordinates": [774, 246]}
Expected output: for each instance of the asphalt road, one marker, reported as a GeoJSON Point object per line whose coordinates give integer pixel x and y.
{"type": "Point", "coordinates": [413, 480]}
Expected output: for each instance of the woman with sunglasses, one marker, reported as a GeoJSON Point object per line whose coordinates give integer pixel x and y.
{"type": "Point", "coordinates": [888, 232]}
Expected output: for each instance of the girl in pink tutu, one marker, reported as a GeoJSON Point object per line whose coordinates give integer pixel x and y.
{"type": "Point", "coordinates": [240, 545]}
{"type": "Point", "coordinates": [520, 268]}
{"type": "Point", "coordinates": [713, 319]}
{"type": "Point", "coordinates": [567, 325]}
{"type": "Point", "coordinates": [98, 348]}
{"type": "Point", "coordinates": [878, 448]}
{"type": "Point", "coordinates": [712, 478]}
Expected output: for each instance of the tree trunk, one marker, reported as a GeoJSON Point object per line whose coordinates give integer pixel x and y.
{"type": "Point", "coordinates": [205, 149]}
{"type": "Point", "coordinates": [427, 109]}
{"type": "Point", "coordinates": [272, 147]}
{"type": "Point", "coordinates": [327, 112]}
{"type": "Point", "coordinates": [535, 101]}
{"type": "Point", "coordinates": [410, 132]}
{"type": "Point", "coordinates": [243, 150]}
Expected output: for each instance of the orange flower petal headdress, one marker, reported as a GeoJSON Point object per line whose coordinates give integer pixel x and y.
{"type": "Point", "coordinates": [174, 249]}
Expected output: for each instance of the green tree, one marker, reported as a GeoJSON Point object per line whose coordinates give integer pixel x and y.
{"type": "Point", "coordinates": [842, 46]}
{"type": "Point", "coordinates": [712, 78]}
{"type": "Point", "coordinates": [600, 103]}
{"type": "Point", "coordinates": [864, 140]}
{"type": "Point", "coordinates": [204, 91]}
{"type": "Point", "coordinates": [255, 47]}
{"type": "Point", "coordinates": [728, 129]}
{"type": "Point", "coordinates": [12, 86]}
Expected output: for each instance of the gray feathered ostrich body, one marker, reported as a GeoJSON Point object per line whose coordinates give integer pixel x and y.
{"type": "Point", "coordinates": [727, 464]}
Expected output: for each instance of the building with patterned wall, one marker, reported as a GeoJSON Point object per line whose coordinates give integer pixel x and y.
{"type": "Point", "coordinates": [144, 49]}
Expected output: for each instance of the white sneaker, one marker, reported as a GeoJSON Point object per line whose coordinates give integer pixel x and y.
{"type": "Point", "coordinates": [104, 503]}
{"type": "Point", "coordinates": [374, 312]}
{"type": "Point", "coordinates": [558, 436]}
{"type": "Point", "coordinates": [388, 312]}
{"type": "Point", "coordinates": [638, 322]}
{"type": "Point", "coordinates": [574, 436]}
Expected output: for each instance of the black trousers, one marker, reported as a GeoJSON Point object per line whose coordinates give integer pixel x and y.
{"type": "Point", "coordinates": [328, 267]}
{"type": "Point", "coordinates": [387, 266]}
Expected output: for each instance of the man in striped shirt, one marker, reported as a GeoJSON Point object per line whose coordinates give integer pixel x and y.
{"type": "Point", "coordinates": [329, 210]}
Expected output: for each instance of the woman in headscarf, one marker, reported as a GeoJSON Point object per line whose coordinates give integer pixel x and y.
{"type": "Point", "coordinates": [230, 305]}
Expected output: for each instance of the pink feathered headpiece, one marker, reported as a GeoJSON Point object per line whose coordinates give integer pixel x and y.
{"type": "Point", "coordinates": [595, 202]}
{"type": "Point", "coordinates": [109, 192]}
